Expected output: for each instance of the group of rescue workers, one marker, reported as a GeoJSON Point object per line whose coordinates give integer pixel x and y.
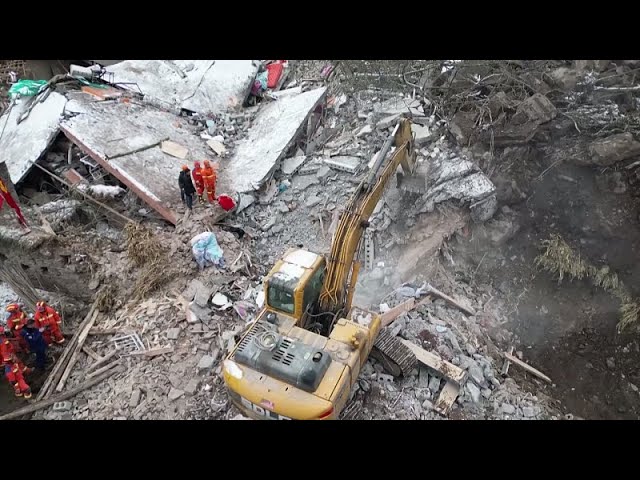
{"type": "Point", "coordinates": [204, 178]}
{"type": "Point", "coordinates": [23, 334]}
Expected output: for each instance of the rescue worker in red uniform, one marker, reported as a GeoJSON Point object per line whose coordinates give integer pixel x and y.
{"type": "Point", "coordinates": [198, 180]}
{"type": "Point", "coordinates": [16, 320]}
{"type": "Point", "coordinates": [209, 177]}
{"type": "Point", "coordinates": [8, 351]}
{"type": "Point", "coordinates": [48, 321]}
{"type": "Point", "coordinates": [14, 374]}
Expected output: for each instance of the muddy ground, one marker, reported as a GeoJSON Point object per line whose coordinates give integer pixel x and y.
{"type": "Point", "coordinates": [567, 330]}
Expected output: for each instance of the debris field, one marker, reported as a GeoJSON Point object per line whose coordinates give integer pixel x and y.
{"type": "Point", "coordinates": [504, 265]}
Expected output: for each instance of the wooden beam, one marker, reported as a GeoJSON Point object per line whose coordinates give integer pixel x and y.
{"type": "Point", "coordinates": [527, 367]}
{"type": "Point", "coordinates": [388, 317]}
{"type": "Point", "coordinates": [59, 398]}
{"type": "Point", "coordinates": [102, 361]}
{"type": "Point", "coordinates": [103, 369]}
{"type": "Point", "coordinates": [76, 351]}
{"type": "Point", "coordinates": [153, 352]}
{"type": "Point", "coordinates": [438, 365]}
{"type": "Point", "coordinates": [447, 398]}
{"type": "Point", "coordinates": [434, 291]}
{"type": "Point", "coordinates": [505, 365]}
{"type": "Point", "coordinates": [91, 353]}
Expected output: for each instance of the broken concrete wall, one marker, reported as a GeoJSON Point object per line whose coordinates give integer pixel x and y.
{"type": "Point", "coordinates": [22, 144]}
{"type": "Point", "coordinates": [275, 129]}
{"type": "Point", "coordinates": [107, 131]}
{"type": "Point", "coordinates": [202, 86]}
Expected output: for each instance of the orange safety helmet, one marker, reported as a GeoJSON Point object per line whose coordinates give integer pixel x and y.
{"type": "Point", "coordinates": [12, 307]}
{"type": "Point", "coordinates": [185, 168]}
{"type": "Point", "coordinates": [40, 306]}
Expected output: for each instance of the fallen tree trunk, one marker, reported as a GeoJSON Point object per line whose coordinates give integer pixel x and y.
{"type": "Point", "coordinates": [34, 407]}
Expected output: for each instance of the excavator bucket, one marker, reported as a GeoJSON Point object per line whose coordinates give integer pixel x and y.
{"type": "Point", "coordinates": [413, 177]}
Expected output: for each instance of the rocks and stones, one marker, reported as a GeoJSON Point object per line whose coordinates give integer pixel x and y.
{"type": "Point", "coordinates": [175, 393]}
{"type": "Point", "coordinates": [423, 378]}
{"type": "Point", "coordinates": [173, 333]}
{"type": "Point", "coordinates": [292, 165]}
{"type": "Point", "coordinates": [537, 109]}
{"type": "Point", "coordinates": [323, 172]}
{"type": "Point", "coordinates": [475, 373]}
{"type": "Point", "coordinates": [529, 412]}
{"type": "Point", "coordinates": [270, 223]}
{"type": "Point", "coordinates": [192, 387]}
{"type": "Point", "coordinates": [434, 384]}
{"type": "Point", "coordinates": [364, 385]}
{"type": "Point", "coordinates": [461, 126]}
{"type": "Point", "coordinates": [277, 228]}
{"type": "Point", "coordinates": [508, 409]}
{"type": "Point", "coordinates": [389, 121]}
{"type": "Point", "coordinates": [422, 134]}
{"type": "Point", "coordinates": [312, 201]}
{"type": "Point", "coordinates": [612, 149]}
{"type": "Point", "coordinates": [206, 363]}
{"type": "Point", "coordinates": [364, 130]}
{"type": "Point", "coordinates": [611, 363]}
{"type": "Point", "coordinates": [134, 400]}
{"type": "Point", "coordinates": [502, 228]}
{"type": "Point", "coordinates": [427, 405]}
{"type": "Point", "coordinates": [474, 392]}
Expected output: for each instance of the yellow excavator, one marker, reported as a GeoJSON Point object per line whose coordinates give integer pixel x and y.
{"type": "Point", "coordinates": [302, 355]}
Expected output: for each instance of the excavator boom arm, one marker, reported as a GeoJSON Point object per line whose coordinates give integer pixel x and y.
{"type": "Point", "coordinates": [342, 260]}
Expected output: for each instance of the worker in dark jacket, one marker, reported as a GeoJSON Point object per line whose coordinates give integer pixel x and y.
{"type": "Point", "coordinates": [186, 187]}
{"type": "Point", "coordinates": [36, 342]}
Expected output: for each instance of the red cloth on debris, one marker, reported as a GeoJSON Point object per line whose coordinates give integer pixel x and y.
{"type": "Point", "coordinates": [274, 73]}
{"type": "Point", "coordinates": [226, 202]}
{"type": "Point", "coordinates": [4, 194]}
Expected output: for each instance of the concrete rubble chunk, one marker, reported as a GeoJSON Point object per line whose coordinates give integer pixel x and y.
{"type": "Point", "coordinates": [389, 121]}
{"type": "Point", "coordinates": [23, 143]}
{"type": "Point", "coordinates": [312, 201]}
{"type": "Point", "coordinates": [173, 333]}
{"type": "Point", "coordinates": [323, 172]}
{"type": "Point", "coordinates": [422, 134]}
{"type": "Point", "coordinates": [364, 130]}
{"type": "Point", "coordinates": [192, 387]}
{"type": "Point", "coordinates": [537, 109]}
{"type": "Point", "coordinates": [274, 129]}
{"type": "Point", "coordinates": [434, 384]}
{"type": "Point", "coordinates": [343, 163]}
{"type": "Point", "coordinates": [134, 400]}
{"type": "Point", "coordinates": [62, 406]}
{"type": "Point", "coordinates": [529, 412]}
{"type": "Point", "coordinates": [175, 393]}
{"type": "Point", "coordinates": [206, 363]}
{"type": "Point", "coordinates": [291, 165]}
{"type": "Point", "coordinates": [474, 391]}
{"type": "Point", "coordinates": [508, 409]}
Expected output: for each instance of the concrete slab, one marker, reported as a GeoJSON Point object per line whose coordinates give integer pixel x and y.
{"type": "Point", "coordinates": [203, 86]}
{"type": "Point", "coordinates": [22, 144]}
{"type": "Point", "coordinates": [107, 131]}
{"type": "Point", "coordinates": [291, 165]}
{"type": "Point", "coordinates": [343, 163]}
{"type": "Point", "coordinates": [274, 130]}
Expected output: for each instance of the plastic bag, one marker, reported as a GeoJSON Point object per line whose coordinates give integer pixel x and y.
{"type": "Point", "coordinates": [26, 88]}
{"type": "Point", "coordinates": [206, 250]}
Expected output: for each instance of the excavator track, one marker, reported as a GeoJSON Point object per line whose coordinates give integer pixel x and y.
{"type": "Point", "coordinates": [394, 355]}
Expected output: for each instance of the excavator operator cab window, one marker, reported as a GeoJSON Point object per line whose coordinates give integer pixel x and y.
{"type": "Point", "coordinates": [314, 285]}
{"type": "Point", "coordinates": [280, 298]}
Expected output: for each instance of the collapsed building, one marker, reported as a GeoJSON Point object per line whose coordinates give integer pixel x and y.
{"type": "Point", "coordinates": [88, 156]}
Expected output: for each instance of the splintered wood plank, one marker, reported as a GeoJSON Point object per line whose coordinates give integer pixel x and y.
{"type": "Point", "coordinates": [445, 369]}
{"type": "Point", "coordinates": [447, 398]}
{"type": "Point", "coordinates": [174, 149]}
{"type": "Point", "coordinates": [527, 367]}
{"type": "Point", "coordinates": [388, 317]}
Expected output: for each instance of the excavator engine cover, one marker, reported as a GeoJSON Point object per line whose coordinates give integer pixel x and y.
{"type": "Point", "coordinates": [283, 358]}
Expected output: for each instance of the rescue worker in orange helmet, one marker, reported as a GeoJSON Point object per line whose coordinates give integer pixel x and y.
{"type": "Point", "coordinates": [16, 320]}
{"type": "Point", "coordinates": [48, 321]}
{"type": "Point", "coordinates": [198, 180]}
{"type": "Point", "coordinates": [209, 177]}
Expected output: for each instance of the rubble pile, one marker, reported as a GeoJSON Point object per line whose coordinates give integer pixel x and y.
{"type": "Point", "coordinates": [460, 340]}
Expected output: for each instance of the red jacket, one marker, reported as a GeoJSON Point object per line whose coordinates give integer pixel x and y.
{"type": "Point", "coordinates": [48, 318]}
{"type": "Point", "coordinates": [17, 320]}
{"type": "Point", "coordinates": [197, 175]}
